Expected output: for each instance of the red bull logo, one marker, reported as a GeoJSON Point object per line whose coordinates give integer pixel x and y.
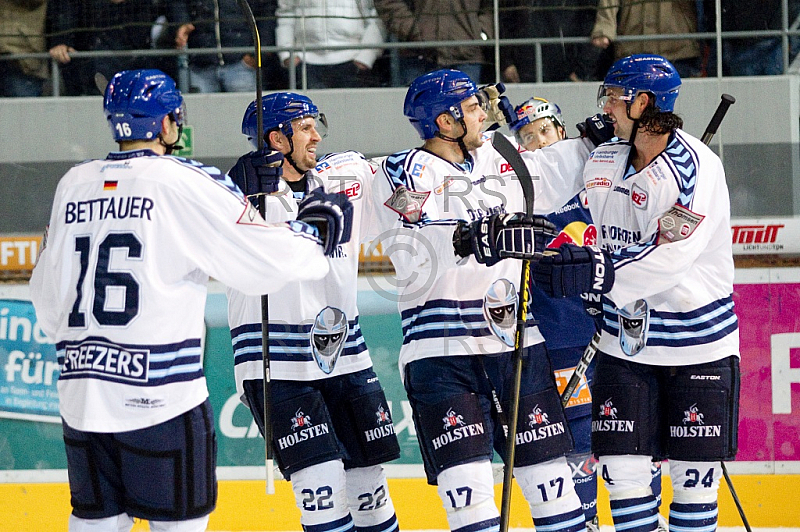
{"type": "Point", "coordinates": [578, 233]}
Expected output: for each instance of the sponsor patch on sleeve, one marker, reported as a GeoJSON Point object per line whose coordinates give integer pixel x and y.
{"type": "Point", "coordinates": [677, 224]}
{"type": "Point", "coordinates": [407, 203]}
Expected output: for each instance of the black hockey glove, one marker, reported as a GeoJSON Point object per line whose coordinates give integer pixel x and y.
{"type": "Point", "coordinates": [258, 172]}
{"type": "Point", "coordinates": [504, 236]}
{"type": "Point", "coordinates": [498, 108]}
{"type": "Point", "coordinates": [573, 270]}
{"type": "Point", "coordinates": [593, 305]}
{"type": "Point", "coordinates": [331, 214]}
{"type": "Point", "coordinates": [598, 129]}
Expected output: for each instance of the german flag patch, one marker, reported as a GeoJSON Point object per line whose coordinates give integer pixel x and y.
{"type": "Point", "coordinates": [109, 185]}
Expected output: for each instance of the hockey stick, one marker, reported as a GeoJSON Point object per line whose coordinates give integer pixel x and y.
{"type": "Point", "coordinates": [262, 208]}
{"type": "Point", "coordinates": [711, 130]}
{"type": "Point", "coordinates": [511, 155]}
{"type": "Point", "coordinates": [580, 369]}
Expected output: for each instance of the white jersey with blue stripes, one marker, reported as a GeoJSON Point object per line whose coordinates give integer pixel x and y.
{"type": "Point", "coordinates": [120, 284]}
{"type": "Point", "coordinates": [452, 307]}
{"type": "Point", "coordinates": [303, 316]}
{"type": "Point", "coordinates": [668, 227]}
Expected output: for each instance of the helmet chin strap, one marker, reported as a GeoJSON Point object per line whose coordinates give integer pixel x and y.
{"type": "Point", "coordinates": [459, 140]}
{"type": "Point", "coordinates": [288, 157]}
{"type": "Point", "coordinates": [635, 124]}
{"type": "Point", "coordinates": [174, 146]}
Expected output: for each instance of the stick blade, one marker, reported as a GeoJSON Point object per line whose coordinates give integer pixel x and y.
{"type": "Point", "coordinates": [509, 152]}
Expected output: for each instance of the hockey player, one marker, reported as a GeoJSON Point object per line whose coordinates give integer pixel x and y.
{"type": "Point", "coordinates": [120, 287]}
{"type": "Point", "coordinates": [667, 376]}
{"type": "Point", "coordinates": [322, 381]}
{"type": "Point", "coordinates": [566, 327]}
{"type": "Point", "coordinates": [452, 208]}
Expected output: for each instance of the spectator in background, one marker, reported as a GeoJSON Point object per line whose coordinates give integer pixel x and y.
{"type": "Point", "coordinates": [520, 19]}
{"type": "Point", "coordinates": [68, 33]}
{"type": "Point", "coordinates": [218, 24]}
{"type": "Point", "coordinates": [303, 23]}
{"type": "Point", "coordinates": [636, 17]}
{"type": "Point", "coordinates": [753, 56]}
{"type": "Point", "coordinates": [438, 20]}
{"type": "Point", "coordinates": [22, 31]}
{"type": "Point", "coordinates": [95, 25]}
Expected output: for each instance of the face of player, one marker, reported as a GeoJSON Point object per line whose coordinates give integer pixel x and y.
{"type": "Point", "coordinates": [474, 116]}
{"type": "Point", "coordinates": [305, 138]}
{"type": "Point", "coordinates": [617, 111]}
{"type": "Point", "coordinates": [539, 133]}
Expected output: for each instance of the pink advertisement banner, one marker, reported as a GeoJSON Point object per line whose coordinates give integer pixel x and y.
{"type": "Point", "coordinates": [768, 307]}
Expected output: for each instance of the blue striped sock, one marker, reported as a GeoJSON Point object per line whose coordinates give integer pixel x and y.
{"type": "Point", "coordinates": [390, 525]}
{"type": "Point", "coordinates": [573, 521]}
{"type": "Point", "coordinates": [345, 524]}
{"type": "Point", "coordinates": [490, 525]}
{"type": "Point", "coordinates": [635, 515]}
{"type": "Point", "coordinates": [693, 517]}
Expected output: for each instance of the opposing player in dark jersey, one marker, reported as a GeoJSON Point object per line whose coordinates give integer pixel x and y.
{"type": "Point", "coordinates": [566, 326]}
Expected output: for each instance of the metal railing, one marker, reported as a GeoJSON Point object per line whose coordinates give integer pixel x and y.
{"type": "Point", "coordinates": [497, 44]}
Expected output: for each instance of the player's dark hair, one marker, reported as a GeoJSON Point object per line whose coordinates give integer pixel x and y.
{"type": "Point", "coordinates": [657, 123]}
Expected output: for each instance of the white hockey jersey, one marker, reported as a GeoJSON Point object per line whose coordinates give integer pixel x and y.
{"type": "Point", "coordinates": [120, 284]}
{"type": "Point", "coordinates": [668, 227]}
{"type": "Point", "coordinates": [450, 307]}
{"type": "Point", "coordinates": [314, 330]}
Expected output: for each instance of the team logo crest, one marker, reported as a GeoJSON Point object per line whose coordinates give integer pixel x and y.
{"type": "Point", "coordinates": [328, 336]}
{"type": "Point", "coordinates": [451, 419]}
{"type": "Point", "coordinates": [537, 417]}
{"type": "Point", "coordinates": [300, 420]}
{"type": "Point", "coordinates": [500, 310]}
{"type": "Point", "coordinates": [634, 322]}
{"type": "Point", "coordinates": [693, 415]}
{"type": "Point", "coordinates": [407, 203]}
{"type": "Point", "coordinates": [607, 409]}
{"type": "Point", "coordinates": [383, 415]}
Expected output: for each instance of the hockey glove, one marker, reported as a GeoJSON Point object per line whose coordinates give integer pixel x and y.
{"type": "Point", "coordinates": [598, 129]}
{"type": "Point", "coordinates": [573, 270]}
{"type": "Point", "coordinates": [504, 236]}
{"type": "Point", "coordinates": [498, 108]}
{"type": "Point", "coordinates": [258, 172]}
{"type": "Point", "coordinates": [331, 214]}
{"type": "Point", "coordinates": [593, 305]}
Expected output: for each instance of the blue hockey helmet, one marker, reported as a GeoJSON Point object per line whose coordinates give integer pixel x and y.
{"type": "Point", "coordinates": [136, 101]}
{"type": "Point", "coordinates": [534, 109]}
{"type": "Point", "coordinates": [279, 110]}
{"type": "Point", "coordinates": [434, 93]}
{"type": "Point", "coordinates": [643, 73]}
